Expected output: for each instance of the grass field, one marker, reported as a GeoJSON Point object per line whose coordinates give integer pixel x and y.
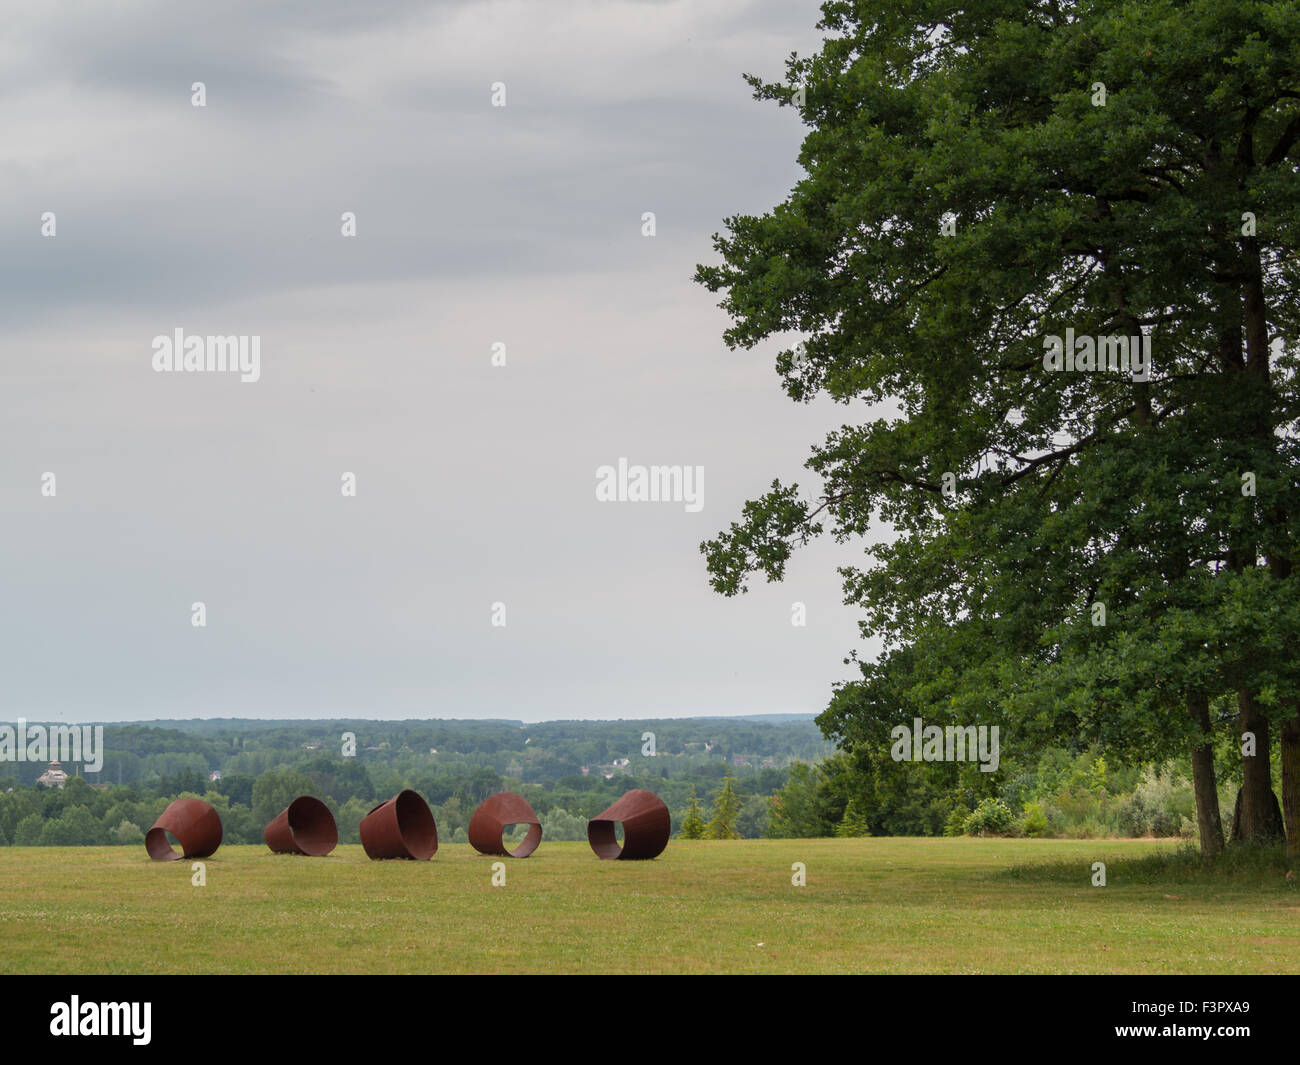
{"type": "Point", "coordinates": [870, 906]}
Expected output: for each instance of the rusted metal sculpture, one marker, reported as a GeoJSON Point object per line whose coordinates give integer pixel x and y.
{"type": "Point", "coordinates": [194, 823]}
{"type": "Point", "coordinates": [491, 818]}
{"type": "Point", "coordinates": [402, 827]}
{"type": "Point", "coordinates": [646, 825]}
{"type": "Point", "coordinates": [305, 826]}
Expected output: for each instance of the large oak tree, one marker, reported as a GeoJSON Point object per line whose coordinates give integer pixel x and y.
{"type": "Point", "coordinates": [980, 179]}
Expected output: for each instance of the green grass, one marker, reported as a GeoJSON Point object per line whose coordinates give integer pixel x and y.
{"type": "Point", "coordinates": [870, 905]}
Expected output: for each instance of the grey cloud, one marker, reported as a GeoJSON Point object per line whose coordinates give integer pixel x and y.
{"type": "Point", "coordinates": [475, 484]}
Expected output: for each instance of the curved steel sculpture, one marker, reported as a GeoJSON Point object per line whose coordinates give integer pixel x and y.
{"type": "Point", "coordinates": [402, 827]}
{"type": "Point", "coordinates": [305, 826]}
{"type": "Point", "coordinates": [194, 823]}
{"type": "Point", "coordinates": [646, 825]}
{"type": "Point", "coordinates": [491, 818]}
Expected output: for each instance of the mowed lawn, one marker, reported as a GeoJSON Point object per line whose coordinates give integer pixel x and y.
{"type": "Point", "coordinates": [870, 906]}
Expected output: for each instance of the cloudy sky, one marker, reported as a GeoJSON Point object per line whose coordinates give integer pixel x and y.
{"type": "Point", "coordinates": [475, 484]}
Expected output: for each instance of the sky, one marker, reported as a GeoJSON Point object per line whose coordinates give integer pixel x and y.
{"type": "Point", "coordinates": [475, 484]}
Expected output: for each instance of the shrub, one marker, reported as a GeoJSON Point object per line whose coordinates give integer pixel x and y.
{"type": "Point", "coordinates": [1033, 821]}
{"type": "Point", "coordinates": [560, 826]}
{"type": "Point", "coordinates": [1077, 806]}
{"type": "Point", "coordinates": [28, 832]}
{"type": "Point", "coordinates": [1158, 806]}
{"type": "Point", "coordinates": [990, 816]}
{"type": "Point", "coordinates": [127, 833]}
{"type": "Point", "coordinates": [956, 824]}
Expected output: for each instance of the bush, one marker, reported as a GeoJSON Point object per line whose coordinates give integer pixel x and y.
{"type": "Point", "coordinates": [1077, 806]}
{"type": "Point", "coordinates": [990, 817]}
{"type": "Point", "coordinates": [77, 827]}
{"type": "Point", "coordinates": [956, 823]}
{"type": "Point", "coordinates": [1018, 788]}
{"type": "Point", "coordinates": [1033, 821]}
{"type": "Point", "coordinates": [1158, 806]}
{"type": "Point", "coordinates": [127, 833]}
{"type": "Point", "coordinates": [28, 831]}
{"type": "Point", "coordinates": [349, 818]}
{"type": "Point", "coordinates": [560, 826]}
{"type": "Point", "coordinates": [854, 823]}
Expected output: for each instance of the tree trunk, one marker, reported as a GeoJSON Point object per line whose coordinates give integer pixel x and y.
{"type": "Point", "coordinates": [1257, 818]}
{"type": "Point", "coordinates": [1208, 822]}
{"type": "Point", "coordinates": [1291, 784]}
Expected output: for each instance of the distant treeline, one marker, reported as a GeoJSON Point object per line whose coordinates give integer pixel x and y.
{"type": "Point", "coordinates": [535, 754]}
{"type": "Point", "coordinates": [776, 779]}
{"type": "Point", "coordinates": [568, 770]}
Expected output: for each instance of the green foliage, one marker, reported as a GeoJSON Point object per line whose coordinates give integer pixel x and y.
{"type": "Point", "coordinates": [349, 817]}
{"type": "Point", "coordinates": [726, 811]}
{"type": "Point", "coordinates": [77, 826]}
{"type": "Point", "coordinates": [1033, 820]}
{"type": "Point", "coordinates": [956, 823]}
{"type": "Point", "coordinates": [128, 834]}
{"type": "Point", "coordinates": [846, 792]}
{"type": "Point", "coordinates": [273, 791]}
{"type": "Point", "coordinates": [265, 764]}
{"type": "Point", "coordinates": [238, 788]}
{"type": "Point", "coordinates": [966, 196]}
{"type": "Point", "coordinates": [752, 823]}
{"type": "Point", "coordinates": [240, 824]}
{"type": "Point", "coordinates": [1074, 794]}
{"type": "Point", "coordinates": [692, 820]}
{"type": "Point", "coordinates": [795, 810]}
{"type": "Point", "coordinates": [1097, 775]}
{"type": "Point", "coordinates": [560, 826]}
{"type": "Point", "coordinates": [991, 817]}
{"type": "Point", "coordinates": [28, 833]}
{"type": "Point", "coordinates": [1161, 805]}
{"type": "Point", "coordinates": [854, 823]}
{"type": "Point", "coordinates": [452, 815]}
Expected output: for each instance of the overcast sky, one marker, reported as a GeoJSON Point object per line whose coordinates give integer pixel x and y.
{"type": "Point", "coordinates": [475, 484]}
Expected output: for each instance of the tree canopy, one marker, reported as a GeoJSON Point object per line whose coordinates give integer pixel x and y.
{"type": "Point", "coordinates": [1049, 248]}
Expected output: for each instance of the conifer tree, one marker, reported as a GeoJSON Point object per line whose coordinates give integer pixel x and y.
{"type": "Point", "coordinates": [726, 809]}
{"type": "Point", "coordinates": [693, 822]}
{"type": "Point", "coordinates": [854, 822]}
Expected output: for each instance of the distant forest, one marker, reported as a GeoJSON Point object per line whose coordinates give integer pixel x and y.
{"type": "Point", "coordinates": [251, 769]}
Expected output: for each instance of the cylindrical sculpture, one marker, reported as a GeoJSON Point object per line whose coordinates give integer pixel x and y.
{"type": "Point", "coordinates": [194, 823]}
{"type": "Point", "coordinates": [646, 825]}
{"type": "Point", "coordinates": [402, 827]}
{"type": "Point", "coordinates": [305, 826]}
{"type": "Point", "coordinates": [491, 818]}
